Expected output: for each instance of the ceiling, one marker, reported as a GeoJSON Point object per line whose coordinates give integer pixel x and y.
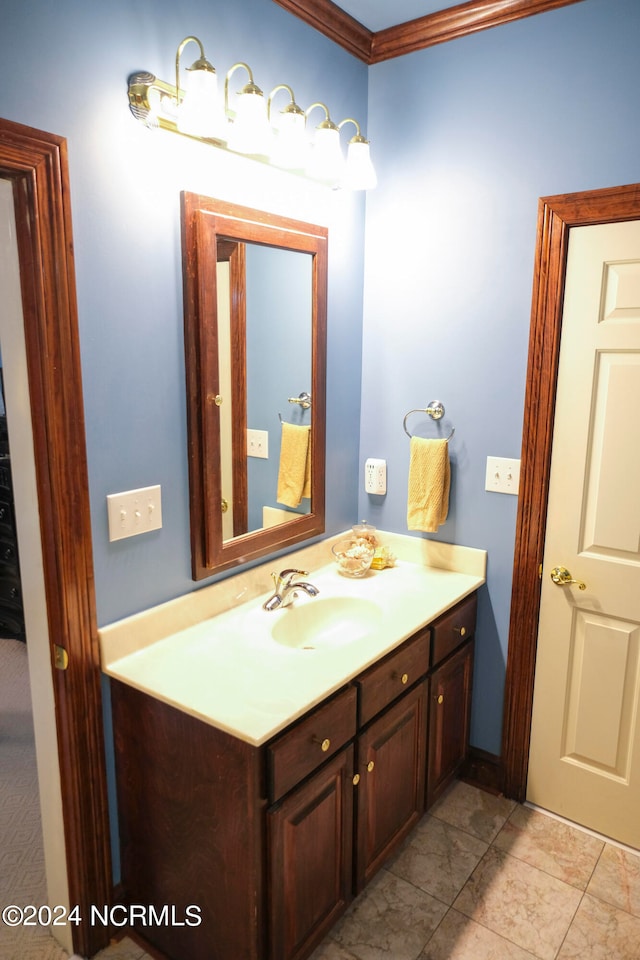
{"type": "Point", "coordinates": [380, 14]}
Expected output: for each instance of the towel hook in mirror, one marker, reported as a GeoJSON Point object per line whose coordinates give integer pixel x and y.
{"type": "Point", "coordinates": [435, 410]}
{"type": "Point", "coordinates": [304, 399]}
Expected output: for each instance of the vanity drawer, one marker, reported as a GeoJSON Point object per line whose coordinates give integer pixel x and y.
{"type": "Point", "coordinates": [453, 628]}
{"type": "Point", "coordinates": [316, 737]}
{"type": "Point", "coordinates": [385, 681]}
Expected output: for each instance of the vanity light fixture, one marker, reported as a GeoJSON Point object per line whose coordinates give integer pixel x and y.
{"type": "Point", "coordinates": [289, 141]}
{"type": "Point", "coordinates": [326, 161]}
{"type": "Point", "coordinates": [359, 168]}
{"type": "Point", "coordinates": [249, 130]}
{"type": "Point", "coordinates": [251, 127]}
{"type": "Point", "coordinates": [197, 106]}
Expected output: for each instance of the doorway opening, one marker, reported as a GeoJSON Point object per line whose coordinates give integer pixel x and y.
{"type": "Point", "coordinates": [35, 164]}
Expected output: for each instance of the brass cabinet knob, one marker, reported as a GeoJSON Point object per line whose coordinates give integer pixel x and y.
{"type": "Point", "coordinates": [356, 779]}
{"type": "Point", "coordinates": [402, 677]}
{"type": "Point", "coordinates": [370, 766]}
{"type": "Point", "coordinates": [224, 506]}
{"type": "Point", "coordinates": [324, 744]}
{"type": "Point", "coordinates": [440, 698]}
{"type": "Point", "coordinates": [461, 630]}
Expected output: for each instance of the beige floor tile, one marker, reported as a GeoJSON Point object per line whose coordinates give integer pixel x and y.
{"type": "Point", "coordinates": [616, 880]}
{"type": "Point", "coordinates": [475, 811]}
{"type": "Point", "coordinates": [520, 903]}
{"type": "Point", "coordinates": [438, 858]}
{"type": "Point", "coordinates": [330, 950]}
{"type": "Point", "coordinates": [459, 938]}
{"type": "Point", "coordinates": [391, 920]}
{"type": "Point", "coordinates": [600, 932]}
{"type": "Point", "coordinates": [550, 845]}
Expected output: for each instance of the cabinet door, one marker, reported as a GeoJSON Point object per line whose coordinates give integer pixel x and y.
{"type": "Point", "coordinates": [390, 793]}
{"type": "Point", "coordinates": [310, 859]}
{"type": "Point", "coordinates": [449, 716]}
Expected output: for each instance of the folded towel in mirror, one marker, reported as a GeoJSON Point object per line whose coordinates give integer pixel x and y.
{"type": "Point", "coordinates": [429, 478]}
{"type": "Point", "coordinates": [294, 473]}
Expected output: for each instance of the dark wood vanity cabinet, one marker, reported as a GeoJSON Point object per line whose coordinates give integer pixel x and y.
{"type": "Point", "coordinates": [273, 842]}
{"type": "Point", "coordinates": [310, 842]}
{"type": "Point", "coordinates": [450, 695]}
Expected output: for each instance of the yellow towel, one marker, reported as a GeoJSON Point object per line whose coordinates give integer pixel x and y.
{"type": "Point", "coordinates": [294, 474]}
{"type": "Point", "coordinates": [429, 477]}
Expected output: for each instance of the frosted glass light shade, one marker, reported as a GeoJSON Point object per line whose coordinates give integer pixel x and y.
{"type": "Point", "coordinates": [199, 113]}
{"type": "Point", "coordinates": [359, 171]}
{"type": "Point", "coordinates": [326, 161]}
{"type": "Point", "coordinates": [250, 130]}
{"type": "Point", "coordinates": [290, 146]}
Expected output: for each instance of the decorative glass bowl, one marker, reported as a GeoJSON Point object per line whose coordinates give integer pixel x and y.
{"type": "Point", "coordinates": [353, 556]}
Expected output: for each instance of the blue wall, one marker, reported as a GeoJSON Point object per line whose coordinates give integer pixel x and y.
{"type": "Point", "coordinates": [64, 68]}
{"type": "Point", "coordinates": [468, 135]}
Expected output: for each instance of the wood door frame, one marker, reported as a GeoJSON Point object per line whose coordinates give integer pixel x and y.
{"type": "Point", "coordinates": [36, 164]}
{"type": "Point", "coordinates": [556, 216]}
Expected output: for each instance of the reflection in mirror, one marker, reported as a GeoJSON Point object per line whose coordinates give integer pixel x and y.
{"type": "Point", "coordinates": [255, 331]}
{"type": "Point", "coordinates": [271, 351]}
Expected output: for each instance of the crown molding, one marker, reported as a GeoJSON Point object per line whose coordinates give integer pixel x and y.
{"type": "Point", "coordinates": [331, 20]}
{"type": "Point", "coordinates": [458, 21]}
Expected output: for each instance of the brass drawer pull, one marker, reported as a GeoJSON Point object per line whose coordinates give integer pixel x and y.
{"type": "Point", "coordinates": [356, 779]}
{"type": "Point", "coordinates": [440, 698]}
{"type": "Point", "coordinates": [370, 766]}
{"type": "Point", "coordinates": [324, 744]}
{"type": "Point", "coordinates": [461, 630]}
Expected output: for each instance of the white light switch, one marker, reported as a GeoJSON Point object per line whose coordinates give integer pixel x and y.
{"type": "Point", "coordinates": [133, 512]}
{"type": "Point", "coordinates": [258, 444]}
{"type": "Point", "coordinates": [503, 475]}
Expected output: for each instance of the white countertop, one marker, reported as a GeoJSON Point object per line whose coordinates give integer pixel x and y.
{"type": "Point", "coordinates": [212, 653]}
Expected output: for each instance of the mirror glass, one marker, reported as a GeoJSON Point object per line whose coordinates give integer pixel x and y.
{"type": "Point", "coordinates": [255, 336]}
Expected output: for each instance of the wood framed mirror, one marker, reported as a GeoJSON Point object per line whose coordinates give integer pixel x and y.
{"type": "Point", "coordinates": [255, 306]}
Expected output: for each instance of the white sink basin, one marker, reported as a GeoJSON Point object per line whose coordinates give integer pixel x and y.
{"type": "Point", "coordinates": [326, 623]}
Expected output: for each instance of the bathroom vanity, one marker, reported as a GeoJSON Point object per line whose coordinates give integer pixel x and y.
{"type": "Point", "coordinates": [270, 819]}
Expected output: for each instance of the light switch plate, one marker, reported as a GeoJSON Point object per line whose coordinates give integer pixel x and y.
{"type": "Point", "coordinates": [133, 512]}
{"type": "Point", "coordinates": [258, 444]}
{"type": "Point", "coordinates": [503, 475]}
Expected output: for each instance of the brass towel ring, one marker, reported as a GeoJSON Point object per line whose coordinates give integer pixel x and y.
{"type": "Point", "coordinates": [435, 410]}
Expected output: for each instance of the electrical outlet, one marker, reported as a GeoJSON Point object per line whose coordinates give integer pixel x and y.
{"type": "Point", "coordinates": [258, 444]}
{"type": "Point", "coordinates": [375, 476]}
{"type": "Point", "coordinates": [503, 475]}
{"type": "Point", "coordinates": [134, 512]}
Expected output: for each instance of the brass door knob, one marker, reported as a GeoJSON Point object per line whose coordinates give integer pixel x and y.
{"type": "Point", "coordinates": [562, 577]}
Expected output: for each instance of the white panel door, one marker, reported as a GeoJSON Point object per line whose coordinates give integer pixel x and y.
{"type": "Point", "coordinates": [585, 738]}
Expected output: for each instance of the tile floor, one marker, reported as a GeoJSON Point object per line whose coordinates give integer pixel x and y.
{"type": "Point", "coordinates": [483, 878]}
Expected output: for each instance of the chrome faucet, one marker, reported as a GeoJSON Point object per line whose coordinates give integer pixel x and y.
{"type": "Point", "coordinates": [286, 587]}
